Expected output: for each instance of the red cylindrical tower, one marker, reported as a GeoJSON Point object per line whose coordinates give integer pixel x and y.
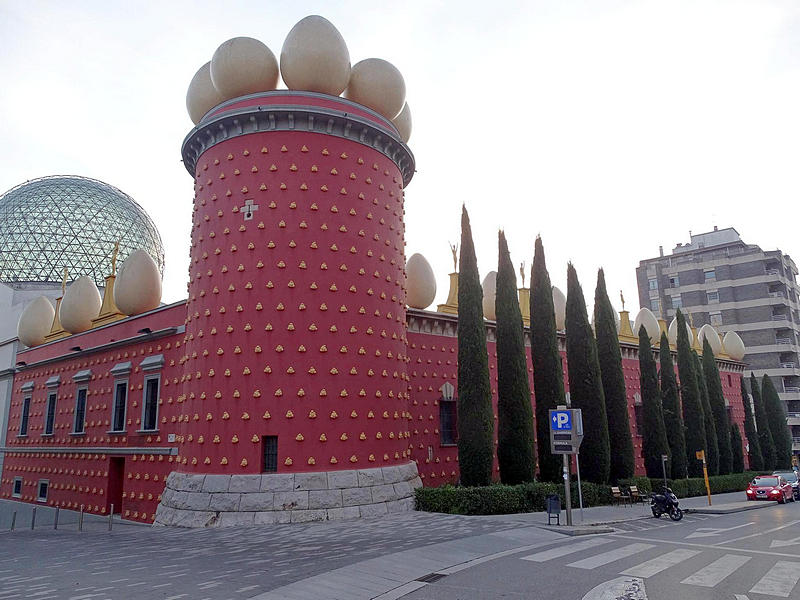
{"type": "Point", "coordinates": [295, 346]}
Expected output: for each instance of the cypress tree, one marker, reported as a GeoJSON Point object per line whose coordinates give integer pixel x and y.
{"type": "Point", "coordinates": [776, 416]}
{"type": "Point", "coordinates": [717, 401]}
{"type": "Point", "coordinates": [673, 422]}
{"type": "Point", "coordinates": [475, 416]}
{"type": "Point", "coordinates": [548, 375]}
{"type": "Point", "coordinates": [712, 450]}
{"type": "Point", "coordinates": [514, 413]}
{"type": "Point", "coordinates": [690, 400]}
{"type": "Point", "coordinates": [737, 455]}
{"type": "Point", "coordinates": [613, 380]}
{"type": "Point", "coordinates": [585, 387]}
{"type": "Point", "coordinates": [654, 435]}
{"type": "Point", "coordinates": [755, 459]}
{"type": "Point", "coordinates": [762, 423]}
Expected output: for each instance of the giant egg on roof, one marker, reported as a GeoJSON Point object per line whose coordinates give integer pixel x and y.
{"type": "Point", "coordinates": [403, 123]}
{"type": "Point", "coordinates": [421, 285]}
{"type": "Point", "coordinates": [315, 58]}
{"type": "Point", "coordinates": [138, 285]}
{"type": "Point", "coordinates": [707, 332]}
{"type": "Point", "coordinates": [672, 332]}
{"type": "Point", "coordinates": [560, 308]}
{"type": "Point", "coordinates": [379, 85]}
{"type": "Point", "coordinates": [734, 345]}
{"type": "Point", "coordinates": [243, 65]}
{"type": "Point", "coordinates": [645, 318]}
{"type": "Point", "coordinates": [202, 96]}
{"type": "Point", "coordinates": [80, 305]}
{"type": "Point", "coordinates": [489, 295]}
{"type": "Point", "coordinates": [35, 322]}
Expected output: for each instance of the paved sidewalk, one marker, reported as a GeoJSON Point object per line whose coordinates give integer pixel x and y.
{"type": "Point", "coordinates": [45, 518]}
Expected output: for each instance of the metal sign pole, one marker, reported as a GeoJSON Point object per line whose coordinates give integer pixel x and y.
{"type": "Point", "coordinates": [578, 473]}
{"type": "Point", "coordinates": [567, 492]}
{"type": "Point", "coordinates": [664, 458]}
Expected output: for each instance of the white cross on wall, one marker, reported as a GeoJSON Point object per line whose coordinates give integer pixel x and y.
{"type": "Point", "coordinates": [248, 209]}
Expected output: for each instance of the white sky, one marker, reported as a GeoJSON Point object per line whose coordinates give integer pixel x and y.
{"type": "Point", "coordinates": [609, 126]}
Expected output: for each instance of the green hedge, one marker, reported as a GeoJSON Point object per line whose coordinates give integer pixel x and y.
{"type": "Point", "coordinates": [719, 484]}
{"type": "Point", "coordinates": [501, 499]}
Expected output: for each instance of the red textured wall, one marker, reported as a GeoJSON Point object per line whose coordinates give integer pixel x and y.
{"type": "Point", "coordinates": [296, 318]}
{"type": "Point", "coordinates": [81, 477]}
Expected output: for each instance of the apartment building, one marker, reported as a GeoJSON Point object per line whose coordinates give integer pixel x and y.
{"type": "Point", "coordinates": [719, 279]}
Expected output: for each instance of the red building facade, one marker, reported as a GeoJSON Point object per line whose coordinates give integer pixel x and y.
{"type": "Point", "coordinates": [293, 383]}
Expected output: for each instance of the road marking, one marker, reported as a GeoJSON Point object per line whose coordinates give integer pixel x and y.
{"type": "Point", "coordinates": [568, 549]}
{"type": "Point", "coordinates": [709, 531]}
{"type": "Point", "coordinates": [717, 571]}
{"type": "Point", "coordinates": [630, 588]}
{"type": "Point", "coordinates": [779, 581]}
{"type": "Point", "coordinates": [660, 563]}
{"type": "Point", "coordinates": [752, 535]}
{"type": "Point", "coordinates": [608, 557]}
{"type": "Point", "coordinates": [782, 543]}
{"type": "Point", "coordinates": [716, 546]}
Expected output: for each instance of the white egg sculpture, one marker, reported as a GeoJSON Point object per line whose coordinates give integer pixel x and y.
{"type": "Point", "coordinates": [80, 305]}
{"type": "Point", "coordinates": [35, 322]}
{"type": "Point", "coordinates": [202, 96]}
{"type": "Point", "coordinates": [489, 286]}
{"type": "Point", "coordinates": [137, 288]}
{"type": "Point", "coordinates": [709, 333]}
{"type": "Point", "coordinates": [314, 57]}
{"type": "Point", "coordinates": [421, 284]}
{"type": "Point", "coordinates": [243, 65]}
{"type": "Point", "coordinates": [672, 332]}
{"type": "Point", "coordinates": [646, 318]}
{"type": "Point", "coordinates": [403, 123]}
{"type": "Point", "coordinates": [734, 345]}
{"type": "Point", "coordinates": [560, 308]}
{"type": "Point", "coordinates": [379, 85]}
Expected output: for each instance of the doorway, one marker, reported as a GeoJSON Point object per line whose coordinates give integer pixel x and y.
{"type": "Point", "coordinates": [116, 478]}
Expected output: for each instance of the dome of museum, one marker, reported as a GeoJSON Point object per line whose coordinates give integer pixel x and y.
{"type": "Point", "coordinates": [69, 222]}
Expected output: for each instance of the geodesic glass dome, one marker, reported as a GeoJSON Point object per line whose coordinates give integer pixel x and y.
{"type": "Point", "coordinates": [69, 222]}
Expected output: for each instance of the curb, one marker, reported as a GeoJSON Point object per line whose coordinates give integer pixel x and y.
{"type": "Point", "coordinates": [728, 510]}
{"type": "Point", "coordinates": [572, 530]}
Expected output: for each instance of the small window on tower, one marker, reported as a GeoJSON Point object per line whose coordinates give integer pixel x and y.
{"type": "Point", "coordinates": [17, 491]}
{"type": "Point", "coordinates": [448, 419]}
{"type": "Point", "coordinates": [270, 453]}
{"type": "Point", "coordinates": [41, 495]}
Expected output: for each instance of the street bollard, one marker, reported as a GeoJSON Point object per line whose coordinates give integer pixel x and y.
{"type": "Point", "coordinates": [55, 519]}
{"type": "Point", "coordinates": [110, 517]}
{"type": "Point", "coordinates": [13, 520]}
{"type": "Point", "coordinates": [33, 518]}
{"type": "Point", "coordinates": [80, 520]}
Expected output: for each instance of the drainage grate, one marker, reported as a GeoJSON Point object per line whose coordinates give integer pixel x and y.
{"type": "Point", "coordinates": [431, 577]}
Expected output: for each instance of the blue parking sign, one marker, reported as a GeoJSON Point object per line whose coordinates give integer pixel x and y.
{"type": "Point", "coordinates": [560, 420]}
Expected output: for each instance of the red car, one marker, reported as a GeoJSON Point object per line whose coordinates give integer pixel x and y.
{"type": "Point", "coordinates": [770, 487]}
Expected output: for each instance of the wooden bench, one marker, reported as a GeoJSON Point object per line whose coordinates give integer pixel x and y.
{"type": "Point", "coordinates": [635, 495]}
{"type": "Point", "coordinates": [618, 497]}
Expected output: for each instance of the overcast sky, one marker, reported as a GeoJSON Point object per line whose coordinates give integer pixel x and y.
{"type": "Point", "coordinates": [608, 127]}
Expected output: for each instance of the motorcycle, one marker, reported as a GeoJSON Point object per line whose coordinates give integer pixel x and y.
{"type": "Point", "coordinates": [665, 502]}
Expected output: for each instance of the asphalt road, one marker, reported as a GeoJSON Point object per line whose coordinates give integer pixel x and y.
{"type": "Point", "coordinates": [749, 555]}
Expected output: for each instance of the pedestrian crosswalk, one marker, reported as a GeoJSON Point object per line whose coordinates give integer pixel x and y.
{"type": "Point", "coordinates": [643, 560]}
{"type": "Point", "coordinates": [717, 571]}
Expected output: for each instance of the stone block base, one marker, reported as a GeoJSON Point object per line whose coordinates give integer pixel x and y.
{"type": "Point", "coordinates": [191, 500]}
